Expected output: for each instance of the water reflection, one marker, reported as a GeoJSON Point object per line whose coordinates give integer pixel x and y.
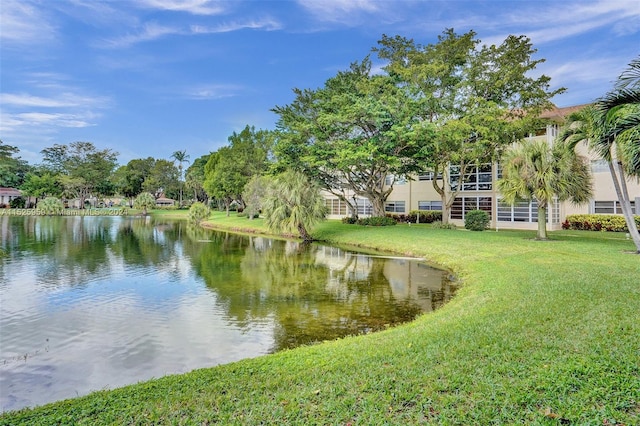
{"type": "Point", "coordinates": [95, 302]}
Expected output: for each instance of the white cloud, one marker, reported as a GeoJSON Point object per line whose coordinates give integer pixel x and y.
{"type": "Point", "coordinates": [55, 119]}
{"type": "Point", "coordinates": [23, 23]}
{"type": "Point", "coordinates": [149, 32]}
{"type": "Point", "coordinates": [213, 91]}
{"type": "Point", "coordinates": [26, 100]}
{"type": "Point", "coordinates": [350, 12]}
{"type": "Point", "coordinates": [267, 24]}
{"type": "Point", "coordinates": [50, 106]}
{"type": "Point", "coordinates": [195, 7]}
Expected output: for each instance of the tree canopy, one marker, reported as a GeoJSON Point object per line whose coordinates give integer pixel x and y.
{"type": "Point", "coordinates": [82, 169]}
{"type": "Point", "coordinates": [474, 100]}
{"type": "Point", "coordinates": [351, 134]}
{"type": "Point", "coordinates": [230, 168]}
{"type": "Point", "coordinates": [13, 169]}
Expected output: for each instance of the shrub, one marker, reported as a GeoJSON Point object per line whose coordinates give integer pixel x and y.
{"type": "Point", "coordinates": [438, 224]}
{"type": "Point", "coordinates": [417, 216]}
{"type": "Point", "coordinates": [50, 206]}
{"type": "Point", "coordinates": [17, 203]}
{"type": "Point", "coordinates": [349, 220]}
{"type": "Point", "coordinates": [476, 220]}
{"type": "Point", "coordinates": [198, 212]}
{"type": "Point", "coordinates": [144, 201]}
{"type": "Point", "coordinates": [425, 216]}
{"type": "Point", "coordinates": [376, 221]}
{"type": "Point", "coordinates": [597, 222]}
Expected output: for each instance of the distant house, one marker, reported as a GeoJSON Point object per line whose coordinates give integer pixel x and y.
{"type": "Point", "coordinates": [8, 194]}
{"type": "Point", "coordinates": [162, 201]}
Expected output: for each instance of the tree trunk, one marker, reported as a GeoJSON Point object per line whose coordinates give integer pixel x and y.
{"type": "Point", "coordinates": [542, 221]}
{"type": "Point", "coordinates": [617, 174]}
{"type": "Point", "coordinates": [303, 232]}
{"type": "Point", "coordinates": [378, 206]}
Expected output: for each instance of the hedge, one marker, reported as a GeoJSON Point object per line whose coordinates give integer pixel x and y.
{"type": "Point", "coordinates": [418, 216]}
{"type": "Point", "coordinates": [597, 222]}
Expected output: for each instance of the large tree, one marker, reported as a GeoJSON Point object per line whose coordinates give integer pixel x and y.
{"type": "Point", "coordinates": [293, 204]}
{"type": "Point", "coordinates": [83, 169]}
{"type": "Point", "coordinates": [13, 169]}
{"type": "Point", "coordinates": [351, 135]}
{"type": "Point", "coordinates": [228, 171]}
{"type": "Point", "coordinates": [163, 179]}
{"type": "Point", "coordinates": [473, 100]}
{"type": "Point", "coordinates": [194, 178]}
{"type": "Point", "coordinates": [41, 185]}
{"type": "Point", "coordinates": [537, 171]}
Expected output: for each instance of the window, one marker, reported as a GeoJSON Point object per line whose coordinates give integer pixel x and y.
{"type": "Point", "coordinates": [394, 180]}
{"type": "Point", "coordinates": [610, 207]}
{"type": "Point", "coordinates": [476, 179]}
{"type": "Point", "coordinates": [364, 206]}
{"type": "Point", "coordinates": [429, 205]}
{"type": "Point", "coordinates": [599, 166]}
{"type": "Point", "coordinates": [429, 176]}
{"type": "Point", "coordinates": [462, 205]}
{"type": "Point", "coordinates": [336, 207]}
{"type": "Point", "coordinates": [394, 207]}
{"type": "Point", "coordinates": [526, 211]}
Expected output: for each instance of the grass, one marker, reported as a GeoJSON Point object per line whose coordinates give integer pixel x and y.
{"type": "Point", "coordinates": [540, 333]}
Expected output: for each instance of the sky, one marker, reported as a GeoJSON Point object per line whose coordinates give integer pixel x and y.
{"type": "Point", "coordinates": [146, 78]}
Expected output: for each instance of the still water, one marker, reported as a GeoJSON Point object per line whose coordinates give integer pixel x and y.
{"type": "Point", "coordinates": [91, 303]}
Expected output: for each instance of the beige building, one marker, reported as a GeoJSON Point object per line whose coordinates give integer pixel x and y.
{"type": "Point", "coordinates": [479, 191]}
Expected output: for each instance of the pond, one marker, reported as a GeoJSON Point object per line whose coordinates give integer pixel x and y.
{"type": "Point", "coordinates": [91, 303]}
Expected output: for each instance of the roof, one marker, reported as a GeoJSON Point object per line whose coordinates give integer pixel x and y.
{"type": "Point", "coordinates": [559, 114]}
{"type": "Point", "coordinates": [10, 192]}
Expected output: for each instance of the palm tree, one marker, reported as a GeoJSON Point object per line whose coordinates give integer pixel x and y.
{"type": "Point", "coordinates": [145, 201]}
{"type": "Point", "coordinates": [611, 128]}
{"type": "Point", "coordinates": [535, 170]}
{"type": "Point", "coordinates": [180, 157]}
{"type": "Point", "coordinates": [293, 204]}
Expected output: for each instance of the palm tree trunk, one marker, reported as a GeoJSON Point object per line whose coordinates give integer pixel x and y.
{"type": "Point", "coordinates": [542, 222]}
{"type": "Point", "coordinates": [620, 183]}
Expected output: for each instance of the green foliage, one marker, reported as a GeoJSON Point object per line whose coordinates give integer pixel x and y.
{"type": "Point", "coordinates": [477, 99]}
{"type": "Point", "coordinates": [228, 170]}
{"type": "Point", "coordinates": [349, 220]}
{"type": "Point", "coordinates": [51, 206]}
{"type": "Point", "coordinates": [17, 203]}
{"type": "Point", "coordinates": [598, 222]}
{"type": "Point", "coordinates": [351, 133]}
{"type": "Point", "coordinates": [377, 221]}
{"type": "Point", "coordinates": [476, 220]}
{"type": "Point", "coordinates": [293, 204]}
{"type": "Point", "coordinates": [254, 193]}
{"type": "Point", "coordinates": [533, 170]}
{"type": "Point", "coordinates": [43, 185]}
{"type": "Point", "coordinates": [198, 212]}
{"type": "Point", "coordinates": [144, 202]}
{"type": "Point", "coordinates": [438, 224]}
{"type": "Point", "coordinates": [194, 179]}
{"type": "Point", "coordinates": [418, 216]}
{"type": "Point", "coordinates": [82, 169]}
{"type": "Point", "coordinates": [13, 169]}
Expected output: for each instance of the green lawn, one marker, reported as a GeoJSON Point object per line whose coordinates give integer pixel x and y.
{"type": "Point", "coordinates": [539, 333]}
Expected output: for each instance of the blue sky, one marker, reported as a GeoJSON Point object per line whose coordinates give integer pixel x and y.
{"type": "Point", "coordinates": [150, 77]}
